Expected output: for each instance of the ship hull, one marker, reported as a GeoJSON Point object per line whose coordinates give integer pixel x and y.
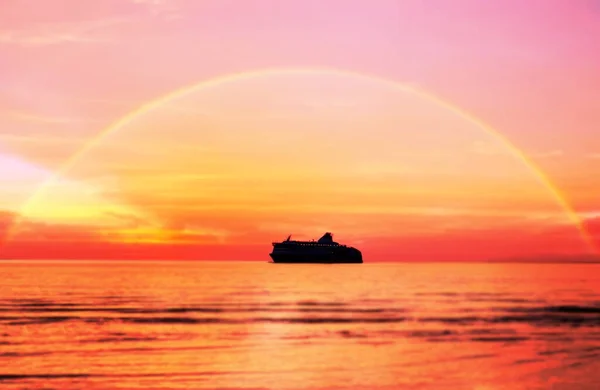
{"type": "Point", "coordinates": [349, 256]}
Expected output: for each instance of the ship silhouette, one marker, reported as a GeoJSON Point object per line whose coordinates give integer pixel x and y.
{"type": "Point", "coordinates": [325, 250]}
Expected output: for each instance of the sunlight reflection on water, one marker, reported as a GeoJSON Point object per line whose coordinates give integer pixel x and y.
{"type": "Point", "coordinates": [259, 325]}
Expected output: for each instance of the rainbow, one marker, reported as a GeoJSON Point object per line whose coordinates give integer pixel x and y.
{"type": "Point", "coordinates": [219, 80]}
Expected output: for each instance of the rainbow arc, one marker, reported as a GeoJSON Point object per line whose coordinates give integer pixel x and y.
{"type": "Point", "coordinates": [157, 103]}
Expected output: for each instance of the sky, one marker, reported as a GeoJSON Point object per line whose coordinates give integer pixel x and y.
{"type": "Point", "coordinates": [442, 130]}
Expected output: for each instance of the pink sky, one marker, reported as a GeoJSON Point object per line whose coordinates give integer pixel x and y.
{"type": "Point", "coordinates": [70, 68]}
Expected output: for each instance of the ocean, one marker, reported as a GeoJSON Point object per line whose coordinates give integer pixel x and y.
{"type": "Point", "coordinates": [254, 325]}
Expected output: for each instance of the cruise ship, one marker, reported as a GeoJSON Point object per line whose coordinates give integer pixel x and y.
{"type": "Point", "coordinates": [325, 250]}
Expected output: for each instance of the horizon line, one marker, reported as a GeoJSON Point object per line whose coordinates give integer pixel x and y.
{"type": "Point", "coordinates": [500, 261]}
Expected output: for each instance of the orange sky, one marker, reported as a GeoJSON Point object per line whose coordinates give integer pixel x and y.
{"type": "Point", "coordinates": [222, 170]}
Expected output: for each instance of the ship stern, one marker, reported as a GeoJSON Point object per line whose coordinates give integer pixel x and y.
{"type": "Point", "coordinates": [356, 255]}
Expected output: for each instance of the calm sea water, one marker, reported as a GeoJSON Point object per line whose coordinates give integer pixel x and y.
{"type": "Point", "coordinates": [235, 325]}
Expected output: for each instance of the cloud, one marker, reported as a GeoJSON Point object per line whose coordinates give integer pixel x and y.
{"type": "Point", "coordinates": [592, 215]}
{"type": "Point", "coordinates": [88, 31]}
{"type": "Point", "coordinates": [42, 38]}
{"type": "Point", "coordinates": [130, 221]}
{"type": "Point", "coordinates": [496, 149]}
{"type": "Point", "coordinates": [164, 235]}
{"type": "Point", "coordinates": [29, 229]}
{"type": "Point", "coordinates": [133, 104]}
{"type": "Point", "coordinates": [166, 9]}
{"type": "Point", "coordinates": [201, 238]}
{"type": "Point", "coordinates": [62, 241]}
{"type": "Point", "coordinates": [41, 139]}
{"type": "Point", "coordinates": [59, 33]}
{"type": "Point", "coordinates": [132, 229]}
{"type": "Point", "coordinates": [6, 219]}
{"type": "Point", "coordinates": [333, 103]}
{"type": "Point", "coordinates": [548, 154]}
{"type": "Point", "coordinates": [151, 3]}
{"type": "Point", "coordinates": [45, 119]}
{"type": "Point", "coordinates": [489, 149]}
